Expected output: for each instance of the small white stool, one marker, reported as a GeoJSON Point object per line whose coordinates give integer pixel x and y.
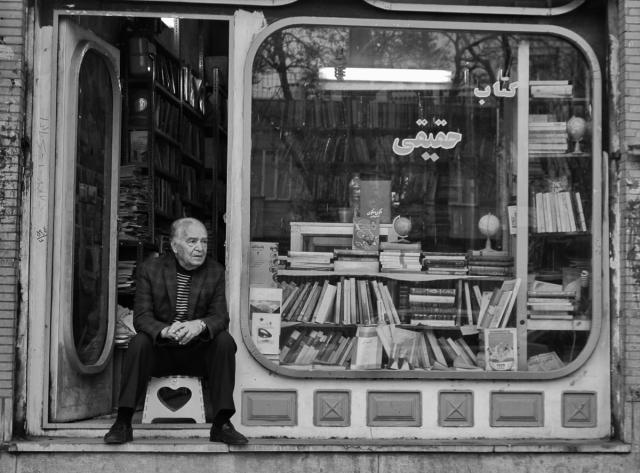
{"type": "Point", "coordinates": [155, 406]}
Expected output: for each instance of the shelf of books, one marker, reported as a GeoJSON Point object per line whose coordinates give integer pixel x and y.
{"type": "Point", "coordinates": [406, 319]}
{"type": "Point", "coordinates": [556, 308]}
{"type": "Point", "coordinates": [397, 307]}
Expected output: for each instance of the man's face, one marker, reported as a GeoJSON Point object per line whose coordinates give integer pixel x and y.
{"type": "Point", "coordinates": [190, 245]}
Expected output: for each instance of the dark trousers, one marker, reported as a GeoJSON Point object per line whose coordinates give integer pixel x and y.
{"type": "Point", "coordinates": [214, 360]}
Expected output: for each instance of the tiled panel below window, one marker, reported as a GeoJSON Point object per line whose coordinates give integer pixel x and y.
{"type": "Point", "coordinates": [517, 409]}
{"type": "Point", "coordinates": [455, 409]}
{"type": "Point", "coordinates": [269, 408]}
{"type": "Point", "coordinates": [579, 409]}
{"type": "Point", "coordinates": [394, 408]}
{"type": "Point", "coordinates": [332, 408]}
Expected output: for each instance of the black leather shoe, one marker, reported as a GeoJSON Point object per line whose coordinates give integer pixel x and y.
{"type": "Point", "coordinates": [119, 433]}
{"type": "Point", "coordinates": [227, 434]}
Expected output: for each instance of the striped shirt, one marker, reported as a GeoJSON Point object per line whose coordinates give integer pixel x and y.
{"type": "Point", "coordinates": [183, 289]}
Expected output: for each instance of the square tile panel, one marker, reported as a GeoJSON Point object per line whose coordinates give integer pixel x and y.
{"type": "Point", "coordinates": [332, 408]}
{"type": "Point", "coordinates": [455, 409]}
{"type": "Point", "coordinates": [579, 409]}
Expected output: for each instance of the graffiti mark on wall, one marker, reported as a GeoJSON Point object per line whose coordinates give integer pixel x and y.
{"type": "Point", "coordinates": [41, 234]}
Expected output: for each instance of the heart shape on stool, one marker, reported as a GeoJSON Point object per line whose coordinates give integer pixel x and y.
{"type": "Point", "coordinates": [174, 399]}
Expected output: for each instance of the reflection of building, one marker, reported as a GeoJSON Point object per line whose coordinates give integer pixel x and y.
{"type": "Point", "coordinates": [289, 146]}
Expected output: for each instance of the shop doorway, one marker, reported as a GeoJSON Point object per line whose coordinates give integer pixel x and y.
{"type": "Point", "coordinates": [140, 141]}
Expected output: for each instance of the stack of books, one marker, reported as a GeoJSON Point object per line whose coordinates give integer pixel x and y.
{"type": "Point", "coordinates": [356, 261]}
{"type": "Point", "coordinates": [400, 257]}
{"type": "Point", "coordinates": [329, 348]}
{"type": "Point", "coordinates": [551, 89]}
{"type": "Point", "coordinates": [551, 305]}
{"type": "Point", "coordinates": [547, 137]}
{"type": "Point", "coordinates": [559, 212]}
{"type": "Point", "coordinates": [441, 262]}
{"type": "Point", "coordinates": [348, 301]}
{"type": "Point", "coordinates": [361, 301]}
{"type": "Point", "coordinates": [496, 306]}
{"type": "Point", "coordinates": [433, 307]}
{"type": "Point", "coordinates": [406, 349]}
{"type": "Point", "coordinates": [448, 352]}
{"type": "Point", "coordinates": [490, 263]}
{"type": "Point", "coordinates": [125, 277]}
{"type": "Point", "coordinates": [133, 207]}
{"type": "Point", "coordinates": [310, 302]}
{"type": "Point", "coordinates": [321, 260]}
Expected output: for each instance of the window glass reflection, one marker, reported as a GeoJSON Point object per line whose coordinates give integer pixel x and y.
{"type": "Point", "coordinates": [91, 217]}
{"type": "Point", "coordinates": [366, 137]}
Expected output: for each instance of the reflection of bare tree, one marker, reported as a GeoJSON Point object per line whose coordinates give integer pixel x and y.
{"type": "Point", "coordinates": [296, 54]}
{"type": "Point", "coordinates": [481, 56]}
{"type": "Point", "coordinates": [291, 59]}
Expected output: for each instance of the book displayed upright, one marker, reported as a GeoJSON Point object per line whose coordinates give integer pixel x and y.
{"type": "Point", "coordinates": [265, 332]}
{"type": "Point", "coordinates": [368, 349]}
{"type": "Point", "coordinates": [366, 233]}
{"type": "Point", "coordinates": [500, 349]}
{"type": "Point", "coordinates": [265, 305]}
{"type": "Point", "coordinates": [263, 263]}
{"type": "Point", "coordinates": [375, 194]}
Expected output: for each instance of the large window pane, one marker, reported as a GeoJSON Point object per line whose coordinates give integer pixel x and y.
{"type": "Point", "coordinates": [430, 124]}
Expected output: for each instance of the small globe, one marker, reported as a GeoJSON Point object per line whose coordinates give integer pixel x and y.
{"type": "Point", "coordinates": [576, 128]}
{"type": "Point", "coordinates": [489, 225]}
{"type": "Point", "coordinates": [402, 226]}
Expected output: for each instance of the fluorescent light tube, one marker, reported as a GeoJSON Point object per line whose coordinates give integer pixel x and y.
{"type": "Point", "coordinates": [374, 74]}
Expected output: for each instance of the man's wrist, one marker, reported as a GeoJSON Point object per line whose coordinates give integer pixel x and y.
{"type": "Point", "coordinates": [203, 326]}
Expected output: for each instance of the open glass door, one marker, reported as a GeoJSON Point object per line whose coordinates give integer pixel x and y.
{"type": "Point", "coordinates": [84, 259]}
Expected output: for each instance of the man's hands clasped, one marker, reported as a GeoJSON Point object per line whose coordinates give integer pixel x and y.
{"type": "Point", "coordinates": [183, 332]}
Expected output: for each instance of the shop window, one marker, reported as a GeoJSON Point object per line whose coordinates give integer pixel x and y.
{"type": "Point", "coordinates": [423, 204]}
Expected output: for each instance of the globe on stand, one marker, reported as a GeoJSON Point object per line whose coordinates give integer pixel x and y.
{"type": "Point", "coordinates": [489, 226]}
{"type": "Point", "coordinates": [576, 129]}
{"type": "Point", "coordinates": [402, 226]}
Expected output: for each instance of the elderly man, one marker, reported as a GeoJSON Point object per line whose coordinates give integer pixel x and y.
{"type": "Point", "coordinates": [181, 320]}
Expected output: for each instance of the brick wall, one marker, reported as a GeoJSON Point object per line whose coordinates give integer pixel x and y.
{"type": "Point", "coordinates": [12, 18]}
{"type": "Point", "coordinates": [628, 130]}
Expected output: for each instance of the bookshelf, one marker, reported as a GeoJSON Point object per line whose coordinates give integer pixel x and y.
{"type": "Point", "coordinates": [164, 125]}
{"type": "Point", "coordinates": [172, 153]}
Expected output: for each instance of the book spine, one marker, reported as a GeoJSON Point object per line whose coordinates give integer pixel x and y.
{"type": "Point", "coordinates": [302, 317]}
{"type": "Point", "coordinates": [581, 218]}
{"type": "Point", "coordinates": [432, 291]}
{"type": "Point", "coordinates": [300, 299]}
{"type": "Point", "coordinates": [433, 299]}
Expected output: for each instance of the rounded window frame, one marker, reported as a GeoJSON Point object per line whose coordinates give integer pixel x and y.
{"type": "Point", "coordinates": [599, 258]}
{"type": "Point", "coordinates": [78, 56]}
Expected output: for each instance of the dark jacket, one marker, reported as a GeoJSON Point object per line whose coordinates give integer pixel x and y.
{"type": "Point", "coordinates": [155, 301]}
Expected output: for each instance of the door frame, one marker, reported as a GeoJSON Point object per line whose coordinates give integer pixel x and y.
{"type": "Point", "coordinates": [65, 357]}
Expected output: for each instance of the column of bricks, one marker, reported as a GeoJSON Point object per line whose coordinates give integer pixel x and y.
{"type": "Point", "coordinates": [12, 118]}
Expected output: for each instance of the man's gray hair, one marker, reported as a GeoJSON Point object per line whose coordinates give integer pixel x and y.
{"type": "Point", "coordinates": [181, 223]}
